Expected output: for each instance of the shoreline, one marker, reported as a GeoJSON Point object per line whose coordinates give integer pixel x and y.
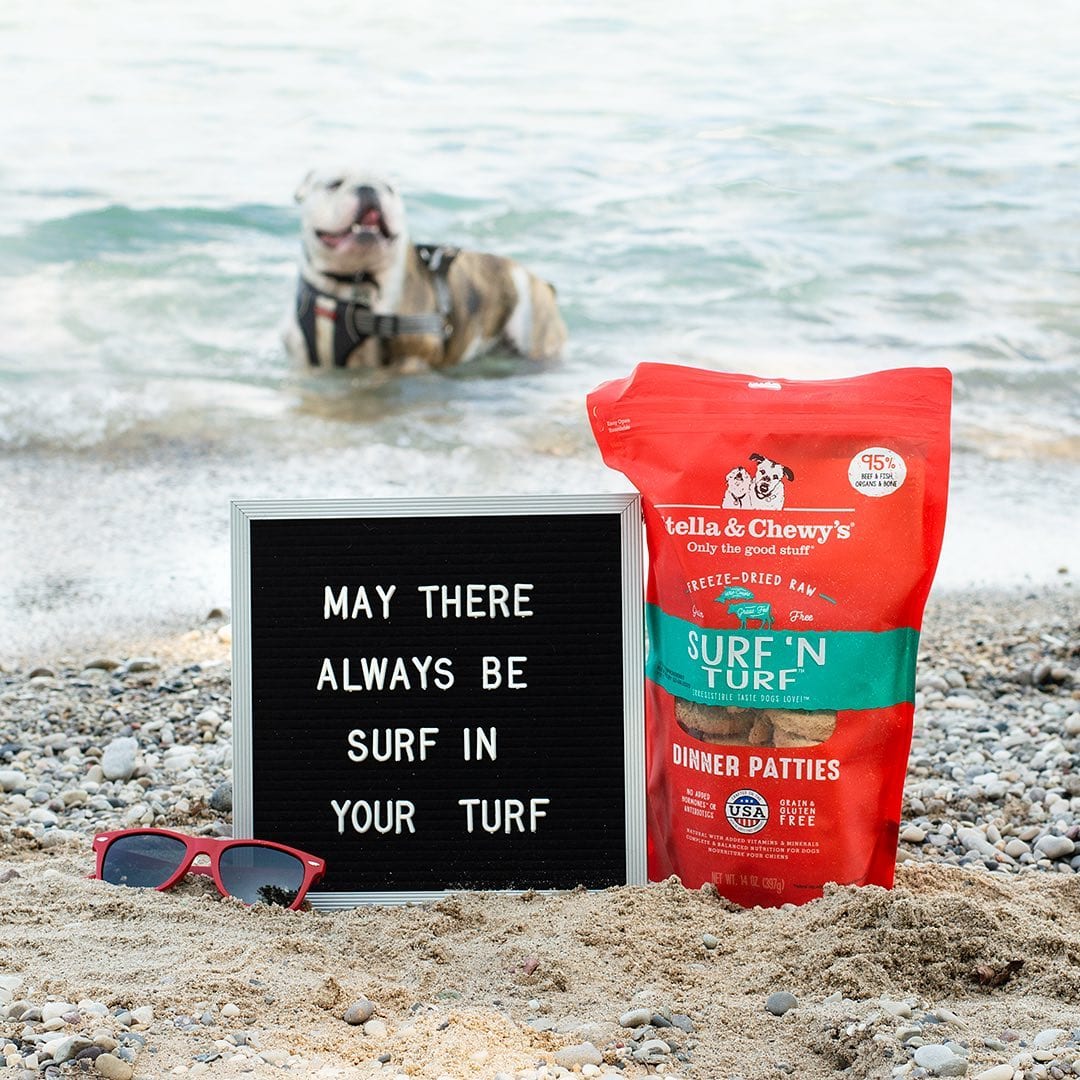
{"type": "Point", "coordinates": [970, 958]}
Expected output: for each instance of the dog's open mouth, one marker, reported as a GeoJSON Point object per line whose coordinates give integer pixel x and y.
{"type": "Point", "coordinates": [370, 225]}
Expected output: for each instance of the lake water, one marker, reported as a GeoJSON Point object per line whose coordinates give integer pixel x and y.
{"type": "Point", "coordinates": [801, 191]}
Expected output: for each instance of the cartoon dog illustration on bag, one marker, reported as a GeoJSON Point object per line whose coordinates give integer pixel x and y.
{"type": "Point", "coordinates": [763, 491]}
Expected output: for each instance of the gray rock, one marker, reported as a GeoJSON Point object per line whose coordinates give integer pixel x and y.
{"type": "Point", "coordinates": [635, 1018]}
{"type": "Point", "coordinates": [710, 941]}
{"type": "Point", "coordinates": [975, 840]}
{"type": "Point", "coordinates": [12, 780]}
{"type": "Point", "coordinates": [652, 1052]}
{"type": "Point", "coordinates": [582, 1054]}
{"type": "Point", "coordinates": [1054, 847]}
{"type": "Point", "coordinates": [359, 1012]}
{"type": "Point", "coordinates": [940, 1060]}
{"type": "Point", "coordinates": [67, 1048]}
{"type": "Point", "coordinates": [118, 761]}
{"type": "Point", "coordinates": [142, 663]}
{"type": "Point", "coordinates": [113, 1068]}
{"type": "Point", "coordinates": [780, 1002]}
{"type": "Point", "coordinates": [221, 799]}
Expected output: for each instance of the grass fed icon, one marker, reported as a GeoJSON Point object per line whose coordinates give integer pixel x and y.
{"type": "Point", "coordinates": [742, 605]}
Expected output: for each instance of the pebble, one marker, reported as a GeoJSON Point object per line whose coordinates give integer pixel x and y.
{"type": "Point", "coordinates": [1055, 847]}
{"type": "Point", "coordinates": [940, 1060]}
{"type": "Point", "coordinates": [570, 1057]}
{"type": "Point", "coordinates": [118, 761]}
{"type": "Point", "coordinates": [113, 1068]}
{"type": "Point", "coordinates": [781, 1002]}
{"type": "Point", "coordinates": [996, 1072]}
{"type": "Point", "coordinates": [142, 663]}
{"type": "Point", "coordinates": [652, 1052]}
{"type": "Point", "coordinates": [143, 1015]}
{"type": "Point", "coordinates": [54, 1010]}
{"type": "Point", "coordinates": [12, 780]}
{"type": "Point", "coordinates": [359, 1012]}
{"type": "Point", "coordinates": [65, 1049]}
{"type": "Point", "coordinates": [375, 1028]}
{"type": "Point", "coordinates": [221, 798]}
{"type": "Point", "coordinates": [710, 941]}
{"type": "Point", "coordinates": [635, 1018]}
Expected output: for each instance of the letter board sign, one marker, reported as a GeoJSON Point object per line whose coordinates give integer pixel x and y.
{"type": "Point", "coordinates": [441, 694]}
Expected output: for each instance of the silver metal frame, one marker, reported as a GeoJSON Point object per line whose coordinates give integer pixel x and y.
{"type": "Point", "coordinates": [627, 506]}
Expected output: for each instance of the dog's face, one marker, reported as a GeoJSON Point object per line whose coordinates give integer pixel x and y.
{"type": "Point", "coordinates": [351, 222]}
{"type": "Point", "coordinates": [770, 476]}
{"type": "Point", "coordinates": [738, 482]}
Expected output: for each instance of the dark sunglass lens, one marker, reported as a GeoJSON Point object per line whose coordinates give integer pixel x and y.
{"type": "Point", "coordinates": [143, 861]}
{"type": "Point", "coordinates": [261, 875]}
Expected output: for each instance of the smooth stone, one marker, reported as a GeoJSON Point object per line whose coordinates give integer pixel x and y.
{"type": "Point", "coordinates": [143, 1015]}
{"type": "Point", "coordinates": [652, 1052]}
{"type": "Point", "coordinates": [1054, 847]}
{"type": "Point", "coordinates": [118, 760]}
{"type": "Point", "coordinates": [65, 1049]}
{"type": "Point", "coordinates": [974, 840]}
{"type": "Point", "coordinates": [221, 799]}
{"type": "Point", "coordinates": [635, 1018]}
{"type": "Point", "coordinates": [376, 1028]}
{"type": "Point", "coordinates": [996, 1072]}
{"type": "Point", "coordinates": [230, 1009]}
{"type": "Point", "coordinates": [54, 1010]}
{"type": "Point", "coordinates": [780, 1002]}
{"type": "Point", "coordinates": [142, 663]}
{"type": "Point", "coordinates": [102, 663]}
{"type": "Point", "coordinates": [912, 834]}
{"type": "Point", "coordinates": [12, 780]}
{"type": "Point", "coordinates": [1047, 1037]}
{"type": "Point", "coordinates": [42, 673]}
{"type": "Point", "coordinates": [113, 1068]}
{"type": "Point", "coordinates": [896, 1008]}
{"type": "Point", "coordinates": [359, 1012]}
{"type": "Point", "coordinates": [710, 941]}
{"type": "Point", "coordinates": [582, 1054]}
{"type": "Point", "coordinates": [940, 1060]}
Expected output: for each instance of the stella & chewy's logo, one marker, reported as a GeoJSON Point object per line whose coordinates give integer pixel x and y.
{"type": "Point", "coordinates": [747, 811]}
{"type": "Point", "coordinates": [766, 488]}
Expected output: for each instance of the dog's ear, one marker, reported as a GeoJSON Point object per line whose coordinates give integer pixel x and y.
{"type": "Point", "coordinates": [788, 474]}
{"type": "Point", "coordinates": [757, 457]}
{"type": "Point", "coordinates": [304, 187]}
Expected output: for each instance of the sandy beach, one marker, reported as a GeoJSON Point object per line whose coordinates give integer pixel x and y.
{"type": "Point", "coordinates": [968, 967]}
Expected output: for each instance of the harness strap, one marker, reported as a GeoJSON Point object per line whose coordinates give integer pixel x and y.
{"type": "Point", "coordinates": [340, 326]}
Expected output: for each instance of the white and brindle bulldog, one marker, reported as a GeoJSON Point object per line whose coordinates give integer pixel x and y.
{"type": "Point", "coordinates": [368, 298]}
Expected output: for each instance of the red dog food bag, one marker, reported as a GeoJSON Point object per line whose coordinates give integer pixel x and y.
{"type": "Point", "coordinates": [793, 531]}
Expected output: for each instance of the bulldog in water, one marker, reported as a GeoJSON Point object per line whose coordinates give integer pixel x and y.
{"type": "Point", "coordinates": [369, 298]}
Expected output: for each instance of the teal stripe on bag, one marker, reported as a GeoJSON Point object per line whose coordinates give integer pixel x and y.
{"type": "Point", "coordinates": [792, 669]}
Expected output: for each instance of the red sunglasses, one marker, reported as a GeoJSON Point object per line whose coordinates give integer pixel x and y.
{"type": "Point", "coordinates": [254, 871]}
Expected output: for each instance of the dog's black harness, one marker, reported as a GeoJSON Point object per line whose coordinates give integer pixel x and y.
{"type": "Point", "coordinates": [353, 321]}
